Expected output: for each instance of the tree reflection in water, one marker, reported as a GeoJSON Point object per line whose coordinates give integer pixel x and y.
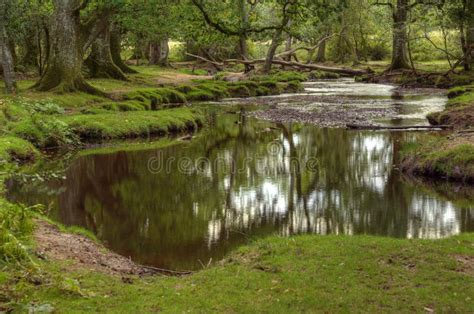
{"type": "Point", "coordinates": [175, 219]}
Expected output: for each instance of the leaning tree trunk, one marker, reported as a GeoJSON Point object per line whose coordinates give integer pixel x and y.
{"type": "Point", "coordinates": [267, 67]}
{"type": "Point", "coordinates": [115, 50]}
{"type": "Point", "coordinates": [159, 52]}
{"type": "Point", "coordinates": [100, 61]}
{"type": "Point", "coordinates": [469, 51]}
{"type": "Point", "coordinates": [400, 36]}
{"type": "Point", "coordinates": [67, 42]}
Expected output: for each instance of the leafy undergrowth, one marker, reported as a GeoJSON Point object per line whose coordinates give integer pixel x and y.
{"type": "Point", "coordinates": [296, 274]}
{"type": "Point", "coordinates": [448, 158]}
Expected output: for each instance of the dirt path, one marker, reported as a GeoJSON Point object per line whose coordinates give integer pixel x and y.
{"type": "Point", "coordinates": [81, 251]}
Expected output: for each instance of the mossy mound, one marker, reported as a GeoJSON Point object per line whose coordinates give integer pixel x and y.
{"type": "Point", "coordinates": [133, 124]}
{"type": "Point", "coordinates": [17, 149]}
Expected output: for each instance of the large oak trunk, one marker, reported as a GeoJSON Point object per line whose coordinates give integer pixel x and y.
{"type": "Point", "coordinates": [63, 73]}
{"type": "Point", "coordinates": [100, 62]}
{"type": "Point", "coordinates": [400, 36]}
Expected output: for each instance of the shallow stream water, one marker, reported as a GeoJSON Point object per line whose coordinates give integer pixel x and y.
{"type": "Point", "coordinates": [184, 205]}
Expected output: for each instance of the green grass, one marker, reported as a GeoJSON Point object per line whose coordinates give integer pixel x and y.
{"type": "Point", "coordinates": [132, 124]}
{"type": "Point", "coordinates": [193, 72]}
{"type": "Point", "coordinates": [459, 110]}
{"type": "Point", "coordinates": [281, 275]}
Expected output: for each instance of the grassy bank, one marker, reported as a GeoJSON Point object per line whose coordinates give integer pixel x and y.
{"type": "Point", "coordinates": [451, 157]}
{"type": "Point", "coordinates": [459, 110]}
{"type": "Point", "coordinates": [297, 274]}
{"type": "Point", "coordinates": [445, 159]}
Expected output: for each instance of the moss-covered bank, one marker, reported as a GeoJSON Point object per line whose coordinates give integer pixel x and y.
{"type": "Point", "coordinates": [440, 158]}
{"type": "Point", "coordinates": [451, 157]}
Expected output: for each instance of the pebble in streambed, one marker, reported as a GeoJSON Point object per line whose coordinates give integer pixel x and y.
{"type": "Point", "coordinates": [325, 115]}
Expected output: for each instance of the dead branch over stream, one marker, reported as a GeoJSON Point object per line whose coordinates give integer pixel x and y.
{"type": "Point", "coordinates": [293, 64]}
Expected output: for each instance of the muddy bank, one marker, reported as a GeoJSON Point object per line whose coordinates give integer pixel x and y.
{"type": "Point", "coordinates": [82, 252]}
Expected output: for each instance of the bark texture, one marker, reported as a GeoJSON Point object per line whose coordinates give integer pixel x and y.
{"type": "Point", "coordinates": [159, 52]}
{"type": "Point", "coordinates": [321, 55]}
{"type": "Point", "coordinates": [6, 57]}
{"type": "Point", "coordinates": [67, 46]}
{"type": "Point", "coordinates": [469, 51]}
{"type": "Point", "coordinates": [116, 48]}
{"type": "Point", "coordinates": [400, 36]}
{"type": "Point", "coordinates": [271, 51]}
{"type": "Point", "coordinates": [100, 62]}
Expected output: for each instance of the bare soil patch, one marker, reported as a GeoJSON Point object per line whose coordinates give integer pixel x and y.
{"type": "Point", "coordinates": [82, 252]}
{"type": "Point", "coordinates": [465, 264]}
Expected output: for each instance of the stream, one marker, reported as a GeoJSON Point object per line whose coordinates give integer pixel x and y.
{"type": "Point", "coordinates": [183, 206]}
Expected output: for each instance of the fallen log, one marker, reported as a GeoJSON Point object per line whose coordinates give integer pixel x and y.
{"type": "Point", "coordinates": [401, 127]}
{"type": "Point", "coordinates": [297, 65]}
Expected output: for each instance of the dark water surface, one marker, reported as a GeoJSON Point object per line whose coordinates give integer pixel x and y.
{"type": "Point", "coordinates": [180, 206]}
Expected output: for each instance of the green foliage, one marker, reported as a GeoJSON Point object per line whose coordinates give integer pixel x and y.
{"type": "Point", "coordinates": [43, 131]}
{"type": "Point", "coordinates": [15, 227]}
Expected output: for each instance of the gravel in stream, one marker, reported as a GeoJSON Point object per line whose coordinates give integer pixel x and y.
{"type": "Point", "coordinates": [325, 115]}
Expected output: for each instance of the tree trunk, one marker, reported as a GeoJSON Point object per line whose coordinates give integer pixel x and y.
{"type": "Point", "coordinates": [7, 60]}
{"type": "Point", "coordinates": [100, 61]}
{"type": "Point", "coordinates": [288, 45]}
{"type": "Point", "coordinates": [267, 67]}
{"type": "Point", "coordinates": [159, 52]}
{"type": "Point", "coordinates": [63, 73]}
{"type": "Point", "coordinates": [243, 48]}
{"type": "Point", "coordinates": [30, 57]}
{"type": "Point", "coordinates": [115, 50]}
{"type": "Point", "coordinates": [469, 63]}
{"type": "Point", "coordinates": [400, 36]}
{"type": "Point", "coordinates": [321, 55]}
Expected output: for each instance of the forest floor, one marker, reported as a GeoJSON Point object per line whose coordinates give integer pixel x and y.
{"type": "Point", "coordinates": [44, 272]}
